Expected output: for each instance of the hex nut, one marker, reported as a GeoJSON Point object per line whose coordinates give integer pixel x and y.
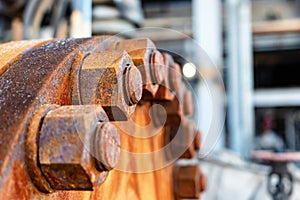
{"type": "Point", "coordinates": [105, 80]}
{"type": "Point", "coordinates": [188, 103]}
{"type": "Point", "coordinates": [149, 62]}
{"type": "Point", "coordinates": [31, 148]}
{"type": "Point", "coordinates": [165, 92]}
{"type": "Point", "coordinates": [188, 181]}
{"type": "Point", "coordinates": [65, 147]}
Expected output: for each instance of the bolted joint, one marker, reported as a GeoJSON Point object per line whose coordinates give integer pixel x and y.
{"type": "Point", "coordinates": [66, 140]}
{"type": "Point", "coordinates": [148, 60]}
{"type": "Point", "coordinates": [110, 79]}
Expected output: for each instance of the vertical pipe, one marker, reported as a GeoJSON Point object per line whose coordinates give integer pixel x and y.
{"type": "Point", "coordinates": [246, 77]}
{"type": "Point", "coordinates": [240, 76]}
{"type": "Point", "coordinates": [207, 31]}
{"type": "Point", "coordinates": [81, 18]}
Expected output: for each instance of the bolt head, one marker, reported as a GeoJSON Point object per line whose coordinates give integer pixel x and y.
{"type": "Point", "coordinates": [65, 147]}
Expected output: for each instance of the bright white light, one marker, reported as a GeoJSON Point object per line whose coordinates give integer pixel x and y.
{"type": "Point", "coordinates": [189, 70]}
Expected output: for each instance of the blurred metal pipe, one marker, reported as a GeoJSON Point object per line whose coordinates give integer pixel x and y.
{"type": "Point", "coordinates": [207, 31]}
{"type": "Point", "coordinates": [81, 18]}
{"type": "Point", "coordinates": [240, 76]}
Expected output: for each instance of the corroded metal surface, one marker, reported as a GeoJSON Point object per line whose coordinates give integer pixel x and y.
{"type": "Point", "coordinates": [10, 52]}
{"type": "Point", "coordinates": [189, 182]}
{"type": "Point", "coordinates": [165, 92]}
{"type": "Point", "coordinates": [106, 146]}
{"type": "Point", "coordinates": [56, 101]}
{"type": "Point", "coordinates": [31, 149]}
{"type": "Point", "coordinates": [101, 82]}
{"type": "Point", "coordinates": [188, 103]}
{"type": "Point", "coordinates": [65, 146]}
{"type": "Point", "coordinates": [148, 60]}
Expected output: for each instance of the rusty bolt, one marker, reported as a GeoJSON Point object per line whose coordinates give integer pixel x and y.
{"type": "Point", "coordinates": [188, 134]}
{"type": "Point", "coordinates": [157, 68]}
{"type": "Point", "coordinates": [175, 77]}
{"type": "Point", "coordinates": [188, 104]}
{"type": "Point", "coordinates": [181, 140]}
{"type": "Point", "coordinates": [67, 155]}
{"type": "Point", "coordinates": [106, 146]}
{"type": "Point", "coordinates": [148, 60]}
{"type": "Point", "coordinates": [109, 78]}
{"type": "Point", "coordinates": [189, 181]}
{"type": "Point", "coordinates": [133, 85]}
{"type": "Point", "coordinates": [173, 110]}
{"type": "Point", "coordinates": [165, 91]}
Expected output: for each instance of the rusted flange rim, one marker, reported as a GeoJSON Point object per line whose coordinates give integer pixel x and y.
{"type": "Point", "coordinates": [31, 149]}
{"type": "Point", "coordinates": [75, 77]}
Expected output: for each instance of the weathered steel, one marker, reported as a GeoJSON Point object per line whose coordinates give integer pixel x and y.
{"type": "Point", "coordinates": [188, 103]}
{"type": "Point", "coordinates": [10, 52]}
{"type": "Point", "coordinates": [49, 146]}
{"type": "Point", "coordinates": [175, 78]}
{"type": "Point", "coordinates": [173, 110]}
{"type": "Point", "coordinates": [133, 85]}
{"type": "Point", "coordinates": [106, 78]}
{"type": "Point", "coordinates": [187, 138]}
{"type": "Point", "coordinates": [188, 182]}
{"type": "Point", "coordinates": [148, 60]}
{"type": "Point", "coordinates": [39, 76]}
{"type": "Point", "coordinates": [182, 138]}
{"type": "Point", "coordinates": [66, 154]}
{"type": "Point", "coordinates": [31, 149]}
{"type": "Point", "coordinates": [106, 146]}
{"type": "Point", "coordinates": [165, 91]}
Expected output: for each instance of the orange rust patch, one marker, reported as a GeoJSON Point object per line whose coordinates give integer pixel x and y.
{"type": "Point", "coordinates": [16, 184]}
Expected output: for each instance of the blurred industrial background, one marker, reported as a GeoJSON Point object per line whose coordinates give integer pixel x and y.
{"type": "Point", "coordinates": [245, 75]}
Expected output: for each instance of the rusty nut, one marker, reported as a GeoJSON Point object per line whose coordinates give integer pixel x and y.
{"type": "Point", "coordinates": [165, 92]}
{"type": "Point", "coordinates": [175, 77]}
{"type": "Point", "coordinates": [109, 78]}
{"type": "Point", "coordinates": [69, 147]}
{"type": "Point", "coordinates": [148, 60]}
{"type": "Point", "coordinates": [188, 103]}
{"type": "Point", "coordinates": [189, 138]}
{"type": "Point", "coordinates": [189, 182]}
{"type": "Point", "coordinates": [181, 140]}
{"type": "Point", "coordinates": [173, 109]}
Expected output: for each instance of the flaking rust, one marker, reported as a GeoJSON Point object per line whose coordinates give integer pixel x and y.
{"type": "Point", "coordinates": [56, 100]}
{"type": "Point", "coordinates": [149, 62]}
{"type": "Point", "coordinates": [107, 78]}
{"type": "Point", "coordinates": [66, 154]}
